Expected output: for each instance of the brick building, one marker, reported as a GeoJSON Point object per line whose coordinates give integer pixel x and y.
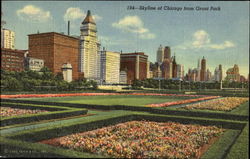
{"type": "Point", "coordinates": [56, 50]}
{"type": "Point", "coordinates": [12, 60]}
{"type": "Point", "coordinates": [135, 64]}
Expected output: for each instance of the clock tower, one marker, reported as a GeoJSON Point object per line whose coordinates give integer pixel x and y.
{"type": "Point", "coordinates": [89, 48]}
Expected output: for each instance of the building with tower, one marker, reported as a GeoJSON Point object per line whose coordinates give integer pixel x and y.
{"type": "Point", "coordinates": [160, 54]}
{"type": "Point", "coordinates": [174, 68]}
{"type": "Point", "coordinates": [233, 74]}
{"type": "Point", "coordinates": [203, 69]}
{"type": "Point", "coordinates": [167, 52]}
{"type": "Point", "coordinates": [166, 67]}
{"type": "Point", "coordinates": [89, 48]}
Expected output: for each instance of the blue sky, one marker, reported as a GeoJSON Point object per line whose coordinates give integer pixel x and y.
{"type": "Point", "coordinates": [221, 36]}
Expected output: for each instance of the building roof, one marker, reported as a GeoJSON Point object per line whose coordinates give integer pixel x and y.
{"type": "Point", "coordinates": [12, 50]}
{"type": "Point", "coordinates": [88, 18]}
{"type": "Point", "coordinates": [135, 53]}
{"type": "Point", "coordinates": [53, 33]}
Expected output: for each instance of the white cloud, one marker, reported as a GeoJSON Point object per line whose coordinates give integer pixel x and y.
{"type": "Point", "coordinates": [107, 41]}
{"type": "Point", "coordinates": [226, 44]}
{"type": "Point", "coordinates": [135, 25]}
{"type": "Point", "coordinates": [33, 13]}
{"type": "Point", "coordinates": [97, 17]}
{"type": "Point", "coordinates": [76, 16]}
{"type": "Point", "coordinates": [201, 40]}
{"type": "Point", "coordinates": [73, 14]}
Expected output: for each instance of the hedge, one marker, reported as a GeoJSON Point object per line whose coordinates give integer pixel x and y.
{"type": "Point", "coordinates": [58, 112]}
{"type": "Point", "coordinates": [59, 131]}
{"type": "Point", "coordinates": [138, 108]}
{"type": "Point", "coordinates": [52, 132]}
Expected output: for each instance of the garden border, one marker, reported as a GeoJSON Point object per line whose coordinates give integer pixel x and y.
{"type": "Point", "coordinates": [59, 112]}
{"type": "Point", "coordinates": [139, 108]}
{"type": "Point", "coordinates": [53, 132]}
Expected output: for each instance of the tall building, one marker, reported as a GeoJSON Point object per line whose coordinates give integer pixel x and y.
{"type": "Point", "coordinates": [167, 52]}
{"type": "Point", "coordinates": [89, 48]}
{"type": "Point", "coordinates": [203, 69]}
{"type": "Point", "coordinates": [160, 54]}
{"type": "Point", "coordinates": [198, 75]}
{"type": "Point", "coordinates": [233, 74]}
{"type": "Point", "coordinates": [109, 67]}
{"type": "Point", "coordinates": [135, 64]}
{"type": "Point", "coordinates": [174, 68]}
{"type": "Point", "coordinates": [218, 73]}
{"type": "Point", "coordinates": [7, 39]}
{"type": "Point", "coordinates": [180, 71]}
{"type": "Point", "coordinates": [208, 75]}
{"type": "Point", "coordinates": [166, 68]}
{"type": "Point", "coordinates": [12, 60]}
{"type": "Point", "coordinates": [56, 50]}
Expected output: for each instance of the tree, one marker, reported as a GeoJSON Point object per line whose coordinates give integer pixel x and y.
{"type": "Point", "coordinates": [46, 73]}
{"type": "Point", "coordinates": [13, 84]}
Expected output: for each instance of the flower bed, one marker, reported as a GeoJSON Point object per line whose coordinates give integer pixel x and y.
{"type": "Point", "coordinates": [224, 104]}
{"type": "Point", "coordinates": [182, 101]}
{"type": "Point", "coordinates": [8, 111]}
{"type": "Point", "coordinates": [141, 139]}
{"type": "Point", "coordinates": [92, 94]}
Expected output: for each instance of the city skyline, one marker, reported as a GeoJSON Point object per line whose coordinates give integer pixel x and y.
{"type": "Point", "coordinates": [220, 36]}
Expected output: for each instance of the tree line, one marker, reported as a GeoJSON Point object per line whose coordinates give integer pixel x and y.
{"type": "Point", "coordinates": [186, 85]}
{"type": "Point", "coordinates": [44, 80]}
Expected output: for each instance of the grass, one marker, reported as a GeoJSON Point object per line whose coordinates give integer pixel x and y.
{"type": "Point", "coordinates": [243, 109]}
{"type": "Point", "coordinates": [113, 100]}
{"type": "Point", "coordinates": [11, 135]}
{"type": "Point", "coordinates": [218, 149]}
{"type": "Point", "coordinates": [240, 148]}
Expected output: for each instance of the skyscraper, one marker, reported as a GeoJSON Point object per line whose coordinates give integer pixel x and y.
{"type": "Point", "coordinates": [198, 75]}
{"type": "Point", "coordinates": [7, 39]}
{"type": "Point", "coordinates": [220, 73]}
{"type": "Point", "coordinates": [160, 54]}
{"type": "Point", "coordinates": [167, 52]}
{"type": "Point", "coordinates": [166, 66]}
{"type": "Point", "coordinates": [109, 67]}
{"type": "Point", "coordinates": [174, 68]}
{"type": "Point", "coordinates": [208, 75]}
{"type": "Point", "coordinates": [180, 71]}
{"type": "Point", "coordinates": [203, 69]}
{"type": "Point", "coordinates": [89, 47]}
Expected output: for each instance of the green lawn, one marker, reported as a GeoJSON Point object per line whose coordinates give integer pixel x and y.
{"type": "Point", "coordinates": [112, 100]}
